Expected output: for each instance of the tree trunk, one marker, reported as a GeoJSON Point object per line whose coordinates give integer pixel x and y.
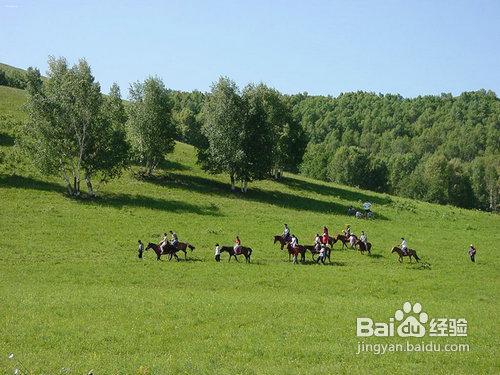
{"type": "Point", "coordinates": [76, 186]}
{"type": "Point", "coordinates": [233, 187]}
{"type": "Point", "coordinates": [244, 186]}
{"type": "Point", "coordinates": [89, 186]}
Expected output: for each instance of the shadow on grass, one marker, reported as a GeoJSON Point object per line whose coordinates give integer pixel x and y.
{"type": "Point", "coordinates": [327, 263]}
{"type": "Point", "coordinates": [333, 191]}
{"type": "Point", "coordinates": [376, 256]}
{"type": "Point", "coordinates": [6, 140]}
{"type": "Point", "coordinates": [112, 200]}
{"type": "Point", "coordinates": [273, 197]}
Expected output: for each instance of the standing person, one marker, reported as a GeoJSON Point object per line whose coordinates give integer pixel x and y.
{"type": "Point", "coordinates": [321, 256]}
{"type": "Point", "coordinates": [237, 245]}
{"type": "Point", "coordinates": [174, 240]}
{"type": "Point", "coordinates": [472, 253]}
{"type": "Point", "coordinates": [217, 252]}
{"type": "Point", "coordinates": [163, 242]}
{"type": "Point", "coordinates": [286, 233]}
{"type": "Point", "coordinates": [141, 249]}
{"type": "Point", "coordinates": [404, 245]}
{"type": "Point", "coordinates": [326, 236]}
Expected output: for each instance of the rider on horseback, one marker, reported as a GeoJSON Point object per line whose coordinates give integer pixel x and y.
{"type": "Point", "coordinates": [163, 243]}
{"type": "Point", "coordinates": [326, 236]}
{"type": "Point", "coordinates": [174, 240]}
{"type": "Point", "coordinates": [237, 245]}
{"type": "Point", "coordinates": [347, 231]}
{"type": "Point", "coordinates": [404, 245]}
{"type": "Point", "coordinates": [363, 238]}
{"type": "Point", "coordinates": [294, 242]}
{"type": "Point", "coordinates": [317, 242]}
{"type": "Point", "coordinates": [286, 233]}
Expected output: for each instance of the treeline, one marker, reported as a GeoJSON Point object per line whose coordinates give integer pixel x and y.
{"type": "Point", "coordinates": [79, 134]}
{"type": "Point", "coordinates": [440, 149]}
{"type": "Point", "coordinates": [12, 77]}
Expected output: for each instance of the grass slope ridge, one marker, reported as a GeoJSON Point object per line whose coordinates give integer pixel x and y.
{"type": "Point", "coordinates": [74, 295]}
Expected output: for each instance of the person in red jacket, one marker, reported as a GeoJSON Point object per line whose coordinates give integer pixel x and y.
{"type": "Point", "coordinates": [326, 237]}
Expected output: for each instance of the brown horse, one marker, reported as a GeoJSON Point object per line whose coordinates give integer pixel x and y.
{"type": "Point", "coordinates": [279, 238]}
{"type": "Point", "coordinates": [342, 238]}
{"type": "Point", "coordinates": [295, 251]}
{"type": "Point", "coordinates": [409, 253]}
{"type": "Point", "coordinates": [363, 247]}
{"type": "Point", "coordinates": [183, 246]}
{"type": "Point", "coordinates": [169, 249]}
{"type": "Point", "coordinates": [314, 251]}
{"type": "Point", "coordinates": [246, 251]}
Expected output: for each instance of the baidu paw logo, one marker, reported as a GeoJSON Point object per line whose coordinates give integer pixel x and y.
{"type": "Point", "coordinates": [413, 324]}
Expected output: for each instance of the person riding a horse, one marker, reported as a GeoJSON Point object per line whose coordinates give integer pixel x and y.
{"type": "Point", "coordinates": [294, 242]}
{"type": "Point", "coordinates": [347, 231]}
{"type": "Point", "coordinates": [163, 243]}
{"type": "Point", "coordinates": [326, 236]}
{"type": "Point", "coordinates": [286, 233]}
{"type": "Point", "coordinates": [237, 245]}
{"type": "Point", "coordinates": [317, 242]}
{"type": "Point", "coordinates": [363, 238]}
{"type": "Point", "coordinates": [404, 245]}
{"type": "Point", "coordinates": [174, 240]}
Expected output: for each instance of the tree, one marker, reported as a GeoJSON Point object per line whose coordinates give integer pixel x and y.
{"type": "Point", "coordinates": [223, 127]}
{"type": "Point", "coordinates": [68, 132]}
{"type": "Point", "coordinates": [151, 128]}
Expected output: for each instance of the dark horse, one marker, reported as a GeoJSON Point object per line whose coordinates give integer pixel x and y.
{"type": "Point", "coordinates": [183, 246]}
{"type": "Point", "coordinates": [295, 251]}
{"type": "Point", "coordinates": [314, 251]}
{"type": "Point", "coordinates": [279, 238]}
{"type": "Point", "coordinates": [409, 253]}
{"type": "Point", "coordinates": [246, 251]}
{"type": "Point", "coordinates": [363, 247]}
{"type": "Point", "coordinates": [169, 249]}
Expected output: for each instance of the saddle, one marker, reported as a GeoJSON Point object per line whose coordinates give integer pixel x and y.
{"type": "Point", "coordinates": [237, 250]}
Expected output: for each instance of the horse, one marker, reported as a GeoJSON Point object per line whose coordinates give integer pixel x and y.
{"type": "Point", "coordinates": [342, 238]}
{"type": "Point", "coordinates": [183, 246]}
{"type": "Point", "coordinates": [279, 238]}
{"type": "Point", "coordinates": [409, 253]}
{"type": "Point", "coordinates": [364, 247]}
{"type": "Point", "coordinates": [314, 251]}
{"type": "Point", "coordinates": [246, 251]}
{"type": "Point", "coordinates": [295, 251]}
{"type": "Point", "coordinates": [169, 249]}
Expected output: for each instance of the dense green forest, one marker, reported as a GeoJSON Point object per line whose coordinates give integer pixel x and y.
{"type": "Point", "coordinates": [441, 149]}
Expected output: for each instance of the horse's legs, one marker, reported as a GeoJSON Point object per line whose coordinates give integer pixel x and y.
{"type": "Point", "coordinates": [185, 254]}
{"type": "Point", "coordinates": [176, 257]}
{"type": "Point", "coordinates": [235, 257]}
{"type": "Point", "coordinates": [229, 258]}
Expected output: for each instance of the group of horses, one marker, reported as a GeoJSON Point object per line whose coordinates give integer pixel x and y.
{"type": "Point", "coordinates": [293, 251]}
{"type": "Point", "coordinates": [172, 250]}
{"type": "Point", "coordinates": [351, 241]}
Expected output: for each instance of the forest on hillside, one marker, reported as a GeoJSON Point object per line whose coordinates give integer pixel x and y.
{"type": "Point", "coordinates": [443, 149]}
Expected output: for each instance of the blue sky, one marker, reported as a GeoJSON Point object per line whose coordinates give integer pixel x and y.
{"type": "Point", "coordinates": [322, 47]}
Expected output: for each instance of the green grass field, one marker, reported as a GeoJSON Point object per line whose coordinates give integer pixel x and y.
{"type": "Point", "coordinates": [74, 297]}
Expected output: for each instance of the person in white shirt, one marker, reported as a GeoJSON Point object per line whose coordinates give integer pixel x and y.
{"type": "Point", "coordinates": [163, 242]}
{"type": "Point", "coordinates": [286, 233]}
{"type": "Point", "coordinates": [321, 256]}
{"type": "Point", "coordinates": [404, 245]}
{"type": "Point", "coordinates": [141, 249]}
{"type": "Point", "coordinates": [217, 252]}
{"type": "Point", "coordinates": [317, 242]}
{"type": "Point", "coordinates": [363, 238]}
{"type": "Point", "coordinates": [294, 241]}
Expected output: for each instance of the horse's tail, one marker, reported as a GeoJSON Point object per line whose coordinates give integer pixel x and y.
{"type": "Point", "coordinates": [191, 247]}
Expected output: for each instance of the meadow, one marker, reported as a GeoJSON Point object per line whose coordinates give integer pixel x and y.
{"type": "Point", "coordinates": [74, 297]}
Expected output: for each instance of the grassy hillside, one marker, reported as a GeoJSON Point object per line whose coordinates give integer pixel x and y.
{"type": "Point", "coordinates": [74, 296]}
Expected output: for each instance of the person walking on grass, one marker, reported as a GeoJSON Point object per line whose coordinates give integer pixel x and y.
{"type": "Point", "coordinates": [321, 256]}
{"type": "Point", "coordinates": [141, 249]}
{"type": "Point", "coordinates": [217, 252]}
{"type": "Point", "coordinates": [472, 253]}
